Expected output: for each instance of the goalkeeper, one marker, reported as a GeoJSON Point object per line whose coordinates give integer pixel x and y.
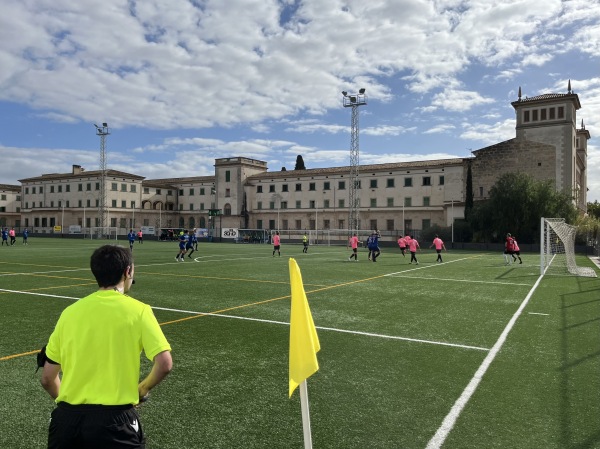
{"type": "Point", "coordinates": [96, 344]}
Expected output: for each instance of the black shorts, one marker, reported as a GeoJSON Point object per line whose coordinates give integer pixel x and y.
{"type": "Point", "coordinates": [95, 427]}
{"type": "Point", "coordinates": [276, 247]}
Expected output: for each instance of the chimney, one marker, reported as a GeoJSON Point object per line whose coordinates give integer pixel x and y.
{"type": "Point", "coordinates": [77, 169]}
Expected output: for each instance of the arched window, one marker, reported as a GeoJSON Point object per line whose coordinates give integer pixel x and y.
{"type": "Point", "coordinates": [192, 222]}
{"type": "Point", "coordinates": [202, 222]}
{"type": "Point", "coordinates": [181, 222]}
{"type": "Point", "coordinates": [227, 209]}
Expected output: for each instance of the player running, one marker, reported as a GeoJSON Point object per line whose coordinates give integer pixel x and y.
{"type": "Point", "coordinates": [402, 245]}
{"type": "Point", "coordinates": [131, 238]}
{"type": "Point", "coordinates": [516, 251]}
{"type": "Point", "coordinates": [189, 245]}
{"type": "Point", "coordinates": [413, 246]}
{"type": "Point", "coordinates": [439, 245]}
{"type": "Point", "coordinates": [508, 249]}
{"type": "Point", "coordinates": [4, 237]}
{"type": "Point", "coordinates": [354, 245]}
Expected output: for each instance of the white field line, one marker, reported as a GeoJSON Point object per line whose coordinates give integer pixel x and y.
{"type": "Point", "coordinates": [461, 280]}
{"type": "Point", "coordinates": [450, 420]}
{"type": "Point", "coordinates": [537, 313]}
{"type": "Point", "coordinates": [391, 337]}
{"type": "Point", "coordinates": [369, 334]}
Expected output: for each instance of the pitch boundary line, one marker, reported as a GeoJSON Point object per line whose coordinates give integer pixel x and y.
{"type": "Point", "coordinates": [450, 420]}
{"type": "Point", "coordinates": [346, 331]}
{"type": "Point", "coordinates": [464, 280]}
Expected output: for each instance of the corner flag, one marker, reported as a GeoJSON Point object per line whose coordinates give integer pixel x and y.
{"type": "Point", "coordinates": [304, 342]}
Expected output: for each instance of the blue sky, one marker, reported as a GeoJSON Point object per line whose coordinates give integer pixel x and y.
{"type": "Point", "coordinates": [182, 83]}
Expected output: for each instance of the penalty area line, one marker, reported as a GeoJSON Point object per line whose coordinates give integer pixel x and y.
{"type": "Point", "coordinates": [450, 420]}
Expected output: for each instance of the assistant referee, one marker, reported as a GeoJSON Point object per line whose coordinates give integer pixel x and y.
{"type": "Point", "coordinates": [97, 344]}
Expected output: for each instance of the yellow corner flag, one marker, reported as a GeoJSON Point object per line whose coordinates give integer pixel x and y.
{"type": "Point", "coordinates": [304, 342]}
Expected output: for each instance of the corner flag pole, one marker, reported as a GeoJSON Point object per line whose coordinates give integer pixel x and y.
{"type": "Point", "coordinates": [305, 415]}
{"type": "Point", "coordinates": [304, 345]}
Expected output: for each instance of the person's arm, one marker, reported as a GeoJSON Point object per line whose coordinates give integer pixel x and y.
{"type": "Point", "coordinates": [50, 380]}
{"type": "Point", "coordinates": [163, 364]}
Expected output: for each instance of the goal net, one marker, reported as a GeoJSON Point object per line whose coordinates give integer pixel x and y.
{"type": "Point", "coordinates": [108, 233]}
{"type": "Point", "coordinates": [557, 249]}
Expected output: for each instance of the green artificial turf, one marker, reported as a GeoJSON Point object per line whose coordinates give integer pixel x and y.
{"type": "Point", "coordinates": [399, 344]}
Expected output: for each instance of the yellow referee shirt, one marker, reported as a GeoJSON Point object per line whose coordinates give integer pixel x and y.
{"type": "Point", "coordinates": [98, 341]}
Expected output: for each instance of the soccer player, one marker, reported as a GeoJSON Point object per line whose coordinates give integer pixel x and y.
{"type": "Point", "coordinates": [195, 240]}
{"type": "Point", "coordinates": [5, 236]}
{"type": "Point", "coordinates": [305, 243]}
{"type": "Point", "coordinates": [182, 244]}
{"type": "Point", "coordinates": [354, 245]}
{"type": "Point", "coordinates": [402, 245]}
{"type": "Point", "coordinates": [131, 238]}
{"type": "Point", "coordinates": [25, 236]}
{"type": "Point", "coordinates": [439, 245]}
{"type": "Point", "coordinates": [276, 244]}
{"type": "Point", "coordinates": [413, 246]}
{"type": "Point", "coordinates": [96, 344]}
{"type": "Point", "coordinates": [12, 236]}
{"type": "Point", "coordinates": [189, 244]}
{"type": "Point", "coordinates": [516, 251]}
{"type": "Point", "coordinates": [140, 236]}
{"type": "Point", "coordinates": [373, 245]}
{"type": "Point", "coordinates": [508, 249]}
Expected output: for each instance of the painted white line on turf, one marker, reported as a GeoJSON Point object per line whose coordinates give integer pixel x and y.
{"type": "Point", "coordinates": [369, 334]}
{"type": "Point", "coordinates": [37, 294]}
{"type": "Point", "coordinates": [537, 313]}
{"type": "Point", "coordinates": [462, 280]}
{"type": "Point", "coordinates": [422, 267]}
{"type": "Point", "coordinates": [450, 420]}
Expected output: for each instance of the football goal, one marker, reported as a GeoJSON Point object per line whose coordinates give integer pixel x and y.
{"type": "Point", "coordinates": [108, 233]}
{"type": "Point", "coordinates": [557, 249]}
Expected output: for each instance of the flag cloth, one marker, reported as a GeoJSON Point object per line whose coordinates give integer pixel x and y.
{"type": "Point", "coordinates": [304, 342]}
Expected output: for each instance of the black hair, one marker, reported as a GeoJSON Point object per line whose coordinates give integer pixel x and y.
{"type": "Point", "coordinates": [108, 264]}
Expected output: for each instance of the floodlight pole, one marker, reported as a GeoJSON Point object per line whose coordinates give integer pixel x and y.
{"type": "Point", "coordinates": [102, 131]}
{"type": "Point", "coordinates": [354, 101]}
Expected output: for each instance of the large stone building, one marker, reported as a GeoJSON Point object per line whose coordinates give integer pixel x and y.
{"type": "Point", "coordinates": [394, 197]}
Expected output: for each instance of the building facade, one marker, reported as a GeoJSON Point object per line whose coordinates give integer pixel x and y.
{"type": "Point", "coordinates": [244, 194]}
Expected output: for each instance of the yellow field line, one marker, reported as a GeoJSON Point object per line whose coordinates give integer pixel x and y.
{"type": "Point", "coordinates": [14, 356]}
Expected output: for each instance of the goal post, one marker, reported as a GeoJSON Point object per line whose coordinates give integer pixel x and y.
{"type": "Point", "coordinates": [108, 233]}
{"type": "Point", "coordinates": [557, 249]}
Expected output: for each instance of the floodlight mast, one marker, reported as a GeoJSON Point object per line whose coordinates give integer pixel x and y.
{"type": "Point", "coordinates": [354, 101]}
{"type": "Point", "coordinates": [102, 131]}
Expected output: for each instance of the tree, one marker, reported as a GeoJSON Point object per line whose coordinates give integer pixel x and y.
{"type": "Point", "coordinates": [516, 203]}
{"type": "Point", "coordinates": [299, 163]}
{"type": "Point", "coordinates": [469, 193]}
{"type": "Point", "coordinates": [593, 209]}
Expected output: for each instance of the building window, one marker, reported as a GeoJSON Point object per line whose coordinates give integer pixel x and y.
{"type": "Point", "coordinates": [543, 114]}
{"type": "Point", "coordinates": [191, 206]}
{"type": "Point", "coordinates": [298, 224]}
{"type": "Point", "coordinates": [534, 115]}
{"type": "Point", "coordinates": [272, 205]}
{"type": "Point", "coordinates": [341, 204]}
{"type": "Point", "coordinates": [481, 191]}
{"type": "Point", "coordinates": [526, 116]}
{"type": "Point", "coordinates": [68, 188]}
{"type": "Point", "coordinates": [88, 203]}
{"type": "Point", "coordinates": [284, 188]}
{"type": "Point", "coordinates": [272, 188]}
{"type": "Point", "coordinates": [407, 201]}
{"type": "Point", "coordinates": [259, 205]}
{"type": "Point", "coordinates": [258, 189]}
{"type": "Point", "coordinates": [201, 206]}
{"type": "Point", "coordinates": [390, 202]}
{"type": "Point", "coordinates": [325, 204]}
{"type": "Point", "coordinates": [341, 224]}
{"type": "Point", "coordinates": [114, 203]}
{"type": "Point", "coordinates": [227, 193]}
{"type": "Point", "coordinates": [326, 185]}
{"type": "Point", "coordinates": [284, 224]}
{"type": "Point", "coordinates": [181, 207]}
{"type": "Point", "coordinates": [342, 185]}
{"type": "Point", "coordinates": [326, 224]}
{"type": "Point", "coordinates": [390, 182]}
{"type": "Point", "coordinates": [426, 201]}
{"type": "Point", "coordinates": [97, 186]}
{"type": "Point", "coordinates": [552, 113]}
{"type": "Point", "coordinates": [159, 192]}
{"type": "Point", "coordinates": [373, 184]}
{"type": "Point", "coordinates": [259, 224]}
{"type": "Point", "coordinates": [51, 191]}
{"type": "Point", "coordinates": [132, 188]}
{"type": "Point", "coordinates": [389, 225]}
{"type": "Point", "coordinates": [228, 178]}
{"type": "Point", "coordinates": [79, 203]}
{"type": "Point", "coordinates": [298, 187]}
{"type": "Point", "coordinates": [441, 180]}
{"type": "Point", "coordinates": [311, 204]}
{"type": "Point", "coordinates": [80, 187]}
{"type": "Point", "coordinates": [407, 182]}
{"type": "Point", "coordinates": [180, 192]}
{"type": "Point", "coordinates": [426, 180]}
{"type": "Point", "coordinates": [298, 204]}
{"type": "Point", "coordinates": [33, 190]}
{"type": "Point", "coordinates": [561, 112]}
{"type": "Point", "coordinates": [191, 192]}
{"type": "Point", "coordinates": [227, 210]}
{"type": "Point", "coordinates": [426, 223]}
{"type": "Point", "coordinates": [271, 224]}
{"type": "Point", "coordinates": [373, 202]}
{"type": "Point", "coordinates": [373, 224]}
{"type": "Point", "coordinates": [284, 205]}
{"type": "Point", "coordinates": [133, 204]}
{"type": "Point", "coordinates": [114, 187]}
{"type": "Point", "coordinates": [52, 204]}
{"type": "Point", "coordinates": [123, 204]}
{"type": "Point", "coordinates": [312, 186]}
{"type": "Point", "coordinates": [202, 191]}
